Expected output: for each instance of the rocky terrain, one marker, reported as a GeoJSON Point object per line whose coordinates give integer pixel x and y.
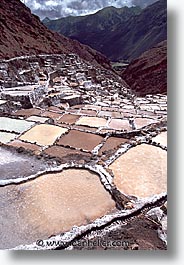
{"type": "Point", "coordinates": [148, 73]}
{"type": "Point", "coordinates": [22, 33]}
{"type": "Point", "coordinates": [119, 33]}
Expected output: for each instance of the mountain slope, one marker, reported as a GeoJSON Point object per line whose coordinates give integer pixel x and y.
{"type": "Point", "coordinates": [148, 73]}
{"type": "Point", "coordinates": [23, 33]}
{"type": "Point", "coordinates": [98, 23]}
{"type": "Point", "coordinates": [119, 33]}
{"type": "Point", "coordinates": [140, 33]}
{"type": "Point", "coordinates": [94, 30]}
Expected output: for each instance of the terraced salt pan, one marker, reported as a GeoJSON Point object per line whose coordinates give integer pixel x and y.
{"type": "Point", "coordinates": [37, 119]}
{"type": "Point", "coordinates": [15, 165]}
{"type": "Point", "coordinates": [43, 134]}
{"type": "Point", "coordinates": [52, 115]}
{"type": "Point", "coordinates": [154, 107]}
{"type": "Point", "coordinates": [15, 125]}
{"type": "Point", "coordinates": [22, 88]}
{"type": "Point", "coordinates": [2, 101]}
{"type": "Point", "coordinates": [161, 138]}
{"type": "Point", "coordinates": [69, 118]}
{"type": "Point", "coordinates": [112, 114]}
{"type": "Point", "coordinates": [88, 112]}
{"type": "Point", "coordinates": [27, 146]}
{"type": "Point", "coordinates": [119, 124]}
{"type": "Point", "coordinates": [27, 112]}
{"type": "Point", "coordinates": [112, 143]}
{"type": "Point", "coordinates": [142, 122]}
{"type": "Point", "coordinates": [16, 93]}
{"type": "Point", "coordinates": [92, 121]}
{"type": "Point", "coordinates": [67, 154]}
{"type": "Point", "coordinates": [85, 128]}
{"type": "Point", "coordinates": [142, 171]}
{"type": "Point", "coordinates": [51, 204]}
{"type": "Point", "coordinates": [7, 137]}
{"type": "Point", "coordinates": [92, 107]}
{"type": "Point", "coordinates": [81, 140]}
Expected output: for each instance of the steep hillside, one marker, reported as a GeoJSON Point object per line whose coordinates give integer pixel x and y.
{"type": "Point", "coordinates": [119, 33]}
{"type": "Point", "coordinates": [148, 73]}
{"type": "Point", "coordinates": [23, 33]}
{"type": "Point", "coordinates": [140, 33]}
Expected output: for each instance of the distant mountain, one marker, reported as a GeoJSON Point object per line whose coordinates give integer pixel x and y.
{"type": "Point", "coordinates": [22, 33]}
{"type": "Point", "coordinates": [119, 33]}
{"type": "Point", "coordinates": [148, 73]}
{"type": "Point", "coordinates": [98, 23]}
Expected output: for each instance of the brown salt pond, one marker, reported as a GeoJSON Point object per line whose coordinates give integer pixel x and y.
{"type": "Point", "coordinates": [67, 154]}
{"type": "Point", "coordinates": [92, 121]}
{"type": "Point", "coordinates": [82, 140]}
{"type": "Point", "coordinates": [43, 134]}
{"type": "Point", "coordinates": [142, 171]}
{"type": "Point", "coordinates": [161, 138]}
{"type": "Point", "coordinates": [88, 112]}
{"type": "Point", "coordinates": [112, 143]}
{"type": "Point", "coordinates": [52, 115]}
{"type": "Point", "coordinates": [27, 112]}
{"type": "Point", "coordinates": [68, 118]}
{"type": "Point", "coordinates": [27, 146]}
{"type": "Point", "coordinates": [51, 204]}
